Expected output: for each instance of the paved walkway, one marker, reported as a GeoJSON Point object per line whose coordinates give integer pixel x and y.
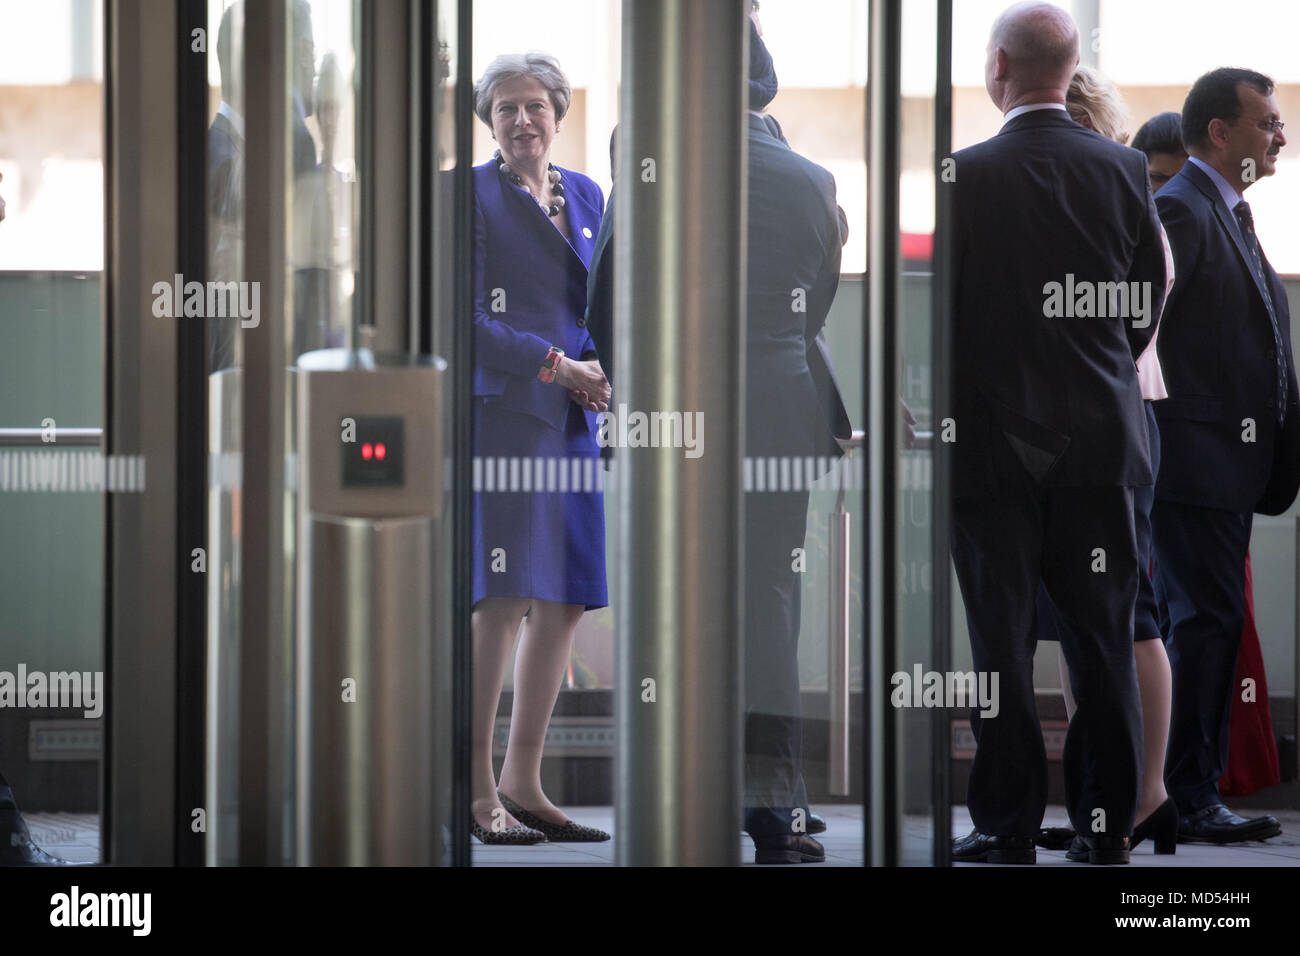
{"type": "Point", "coordinates": [75, 836]}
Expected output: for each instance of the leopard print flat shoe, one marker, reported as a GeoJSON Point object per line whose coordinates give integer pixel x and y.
{"type": "Point", "coordinates": [566, 832]}
{"type": "Point", "coordinates": [512, 836]}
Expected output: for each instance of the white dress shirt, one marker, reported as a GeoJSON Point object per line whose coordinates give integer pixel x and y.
{"type": "Point", "coordinates": [1030, 107]}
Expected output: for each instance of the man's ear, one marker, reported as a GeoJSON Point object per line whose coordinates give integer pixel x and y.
{"type": "Point", "coordinates": [1000, 64]}
{"type": "Point", "coordinates": [1217, 132]}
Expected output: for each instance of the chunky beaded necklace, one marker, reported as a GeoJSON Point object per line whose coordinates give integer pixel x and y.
{"type": "Point", "coordinates": [553, 174]}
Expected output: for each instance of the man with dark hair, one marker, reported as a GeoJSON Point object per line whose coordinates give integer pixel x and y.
{"type": "Point", "coordinates": [1230, 429]}
{"type": "Point", "coordinates": [1051, 439]}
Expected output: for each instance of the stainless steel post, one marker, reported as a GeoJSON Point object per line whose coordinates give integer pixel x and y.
{"type": "Point", "coordinates": [372, 694]}
{"type": "Point", "coordinates": [837, 643]}
{"type": "Point", "coordinates": [881, 729]}
{"type": "Point", "coordinates": [679, 277]}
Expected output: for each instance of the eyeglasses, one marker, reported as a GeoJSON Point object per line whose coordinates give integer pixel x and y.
{"type": "Point", "coordinates": [1271, 125]}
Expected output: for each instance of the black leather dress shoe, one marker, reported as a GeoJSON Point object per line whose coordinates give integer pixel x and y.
{"type": "Point", "coordinates": [979, 847]}
{"type": "Point", "coordinates": [1098, 848]}
{"type": "Point", "coordinates": [1055, 838]}
{"type": "Point", "coordinates": [1218, 824]}
{"type": "Point", "coordinates": [788, 848]}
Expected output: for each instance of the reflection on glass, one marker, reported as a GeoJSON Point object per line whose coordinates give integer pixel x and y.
{"type": "Point", "coordinates": [323, 202]}
{"type": "Point", "coordinates": [225, 207]}
{"type": "Point", "coordinates": [914, 573]}
{"type": "Point", "coordinates": [793, 415]}
{"type": "Point", "coordinates": [51, 376]}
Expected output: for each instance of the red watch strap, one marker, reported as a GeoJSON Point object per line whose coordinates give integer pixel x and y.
{"type": "Point", "coordinates": [550, 365]}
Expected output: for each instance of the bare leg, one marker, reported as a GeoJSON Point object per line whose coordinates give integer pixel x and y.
{"type": "Point", "coordinates": [495, 624]}
{"type": "Point", "coordinates": [1070, 706]}
{"type": "Point", "coordinates": [1156, 685]}
{"type": "Point", "coordinates": [539, 670]}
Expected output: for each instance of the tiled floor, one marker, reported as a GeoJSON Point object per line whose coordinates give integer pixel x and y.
{"type": "Point", "coordinates": [842, 840]}
{"type": "Point", "coordinates": [75, 836]}
{"type": "Point", "coordinates": [1281, 850]}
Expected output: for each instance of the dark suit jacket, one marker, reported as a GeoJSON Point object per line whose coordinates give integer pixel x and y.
{"type": "Point", "coordinates": [600, 292]}
{"type": "Point", "coordinates": [1216, 351]}
{"type": "Point", "coordinates": [1057, 397]}
{"type": "Point", "coordinates": [542, 278]}
{"type": "Point", "coordinates": [794, 405]}
{"type": "Point", "coordinates": [226, 227]}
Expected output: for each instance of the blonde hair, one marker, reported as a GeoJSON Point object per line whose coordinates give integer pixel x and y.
{"type": "Point", "coordinates": [1094, 102]}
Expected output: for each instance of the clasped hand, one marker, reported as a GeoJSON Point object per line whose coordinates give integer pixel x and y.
{"type": "Point", "coordinates": [586, 383]}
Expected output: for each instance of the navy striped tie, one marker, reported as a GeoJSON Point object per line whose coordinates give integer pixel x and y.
{"type": "Point", "coordinates": [1247, 222]}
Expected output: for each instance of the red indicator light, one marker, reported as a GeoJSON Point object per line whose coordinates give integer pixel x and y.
{"type": "Point", "coordinates": [367, 451]}
{"type": "Point", "coordinates": [380, 451]}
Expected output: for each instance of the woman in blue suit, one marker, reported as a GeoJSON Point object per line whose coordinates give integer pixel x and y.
{"type": "Point", "coordinates": [539, 529]}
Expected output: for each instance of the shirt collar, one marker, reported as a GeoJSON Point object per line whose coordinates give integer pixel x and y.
{"type": "Point", "coordinates": [1029, 107]}
{"type": "Point", "coordinates": [1230, 196]}
{"type": "Point", "coordinates": [233, 115]}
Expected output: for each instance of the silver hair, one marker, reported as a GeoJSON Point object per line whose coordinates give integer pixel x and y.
{"type": "Point", "coordinates": [542, 67]}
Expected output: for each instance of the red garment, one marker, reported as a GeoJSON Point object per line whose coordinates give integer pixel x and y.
{"type": "Point", "coordinates": [1252, 749]}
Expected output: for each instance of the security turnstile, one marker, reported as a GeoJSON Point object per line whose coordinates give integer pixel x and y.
{"type": "Point", "coordinates": [369, 653]}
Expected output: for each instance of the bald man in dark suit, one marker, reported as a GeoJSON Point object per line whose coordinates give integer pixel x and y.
{"type": "Point", "coordinates": [1051, 437]}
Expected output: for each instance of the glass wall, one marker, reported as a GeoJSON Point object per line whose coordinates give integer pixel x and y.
{"type": "Point", "coordinates": [52, 479]}
{"type": "Point", "coordinates": [320, 309]}
{"type": "Point", "coordinates": [814, 600]}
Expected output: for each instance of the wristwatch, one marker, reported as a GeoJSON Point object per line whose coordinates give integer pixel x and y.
{"type": "Point", "coordinates": [550, 365]}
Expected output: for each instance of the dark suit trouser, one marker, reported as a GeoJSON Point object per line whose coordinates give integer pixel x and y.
{"type": "Point", "coordinates": [775, 524]}
{"type": "Point", "coordinates": [1148, 617]}
{"type": "Point", "coordinates": [1200, 576]}
{"type": "Point", "coordinates": [1002, 549]}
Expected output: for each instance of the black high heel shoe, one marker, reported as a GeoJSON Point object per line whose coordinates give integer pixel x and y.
{"type": "Point", "coordinates": [566, 832]}
{"type": "Point", "coordinates": [1161, 826]}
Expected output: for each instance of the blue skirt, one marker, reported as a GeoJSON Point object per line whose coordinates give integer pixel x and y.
{"type": "Point", "coordinates": [539, 520]}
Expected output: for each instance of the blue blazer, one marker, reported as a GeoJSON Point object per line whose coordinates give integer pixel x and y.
{"type": "Point", "coordinates": [1216, 352]}
{"type": "Point", "coordinates": [530, 291]}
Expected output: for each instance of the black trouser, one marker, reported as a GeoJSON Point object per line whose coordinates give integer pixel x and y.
{"type": "Point", "coordinates": [776, 800]}
{"type": "Point", "coordinates": [1148, 618]}
{"type": "Point", "coordinates": [1002, 549]}
{"type": "Point", "coordinates": [1200, 577]}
